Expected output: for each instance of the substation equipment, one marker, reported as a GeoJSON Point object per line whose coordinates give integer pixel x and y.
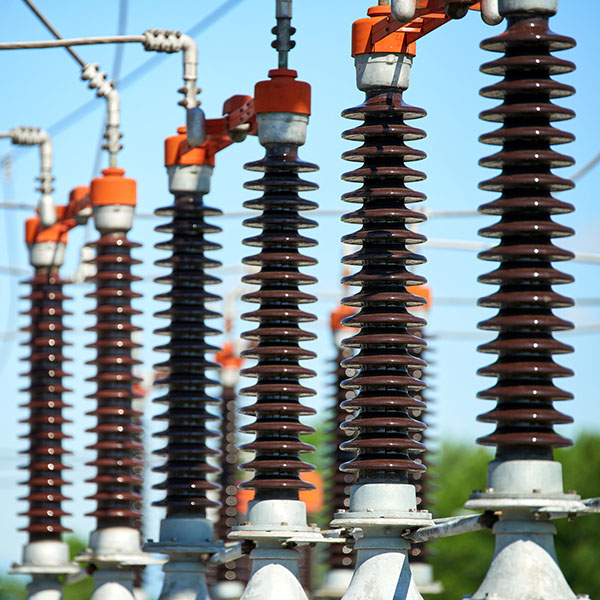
{"type": "Point", "coordinates": [378, 490]}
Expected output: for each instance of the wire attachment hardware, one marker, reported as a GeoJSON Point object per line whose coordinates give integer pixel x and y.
{"type": "Point", "coordinates": [105, 88]}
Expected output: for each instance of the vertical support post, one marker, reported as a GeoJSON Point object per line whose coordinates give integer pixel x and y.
{"type": "Point", "coordinates": [186, 534]}
{"type": "Point", "coordinates": [46, 557]}
{"type": "Point", "coordinates": [276, 515]}
{"type": "Point", "coordinates": [524, 476]}
{"type": "Point", "coordinates": [383, 501]}
{"type": "Point", "coordinates": [115, 544]}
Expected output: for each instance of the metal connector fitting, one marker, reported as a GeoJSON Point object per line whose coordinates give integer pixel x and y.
{"type": "Point", "coordinates": [195, 122]}
{"type": "Point", "coordinates": [189, 179]}
{"type": "Point", "coordinates": [113, 218]}
{"type": "Point", "coordinates": [490, 13]}
{"type": "Point", "coordinates": [47, 254]}
{"type": "Point", "coordinates": [509, 8]}
{"type": "Point", "coordinates": [34, 136]}
{"type": "Point", "coordinates": [163, 40]}
{"type": "Point", "coordinates": [403, 10]}
{"type": "Point", "coordinates": [382, 70]}
{"type": "Point", "coordinates": [282, 128]}
{"type": "Point", "coordinates": [106, 89]}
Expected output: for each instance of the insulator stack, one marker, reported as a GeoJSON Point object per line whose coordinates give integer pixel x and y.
{"type": "Point", "coordinates": [139, 571]}
{"type": "Point", "coordinates": [525, 391]}
{"type": "Point", "coordinates": [228, 515]}
{"type": "Point", "coordinates": [386, 341]}
{"type": "Point", "coordinates": [278, 407]}
{"type": "Point", "coordinates": [422, 481]}
{"type": "Point", "coordinates": [45, 406]}
{"type": "Point", "coordinates": [187, 467]}
{"type": "Point", "coordinates": [340, 556]}
{"type": "Point", "coordinates": [118, 502]}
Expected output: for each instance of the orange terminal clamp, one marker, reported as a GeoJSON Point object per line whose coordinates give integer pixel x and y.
{"type": "Point", "coordinates": [47, 245]}
{"type": "Point", "coordinates": [238, 120]}
{"type": "Point", "coordinates": [381, 33]}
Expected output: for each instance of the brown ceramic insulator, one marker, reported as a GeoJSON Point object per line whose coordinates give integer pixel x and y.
{"type": "Point", "coordinates": [45, 407]}
{"type": "Point", "coordinates": [117, 447]}
{"type": "Point", "coordinates": [139, 572]}
{"type": "Point", "coordinates": [228, 515]}
{"type": "Point", "coordinates": [422, 481]}
{"type": "Point", "coordinates": [278, 391]}
{"type": "Point", "coordinates": [339, 556]}
{"type": "Point", "coordinates": [386, 340]}
{"type": "Point", "coordinates": [187, 468]}
{"type": "Point", "coordinates": [525, 391]}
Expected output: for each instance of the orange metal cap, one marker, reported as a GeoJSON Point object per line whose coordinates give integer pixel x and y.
{"type": "Point", "coordinates": [112, 188]}
{"type": "Point", "coordinates": [362, 34]}
{"type": "Point", "coordinates": [282, 93]}
{"type": "Point", "coordinates": [179, 152]}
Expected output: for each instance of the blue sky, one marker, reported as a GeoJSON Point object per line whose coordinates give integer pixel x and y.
{"type": "Point", "coordinates": [40, 87]}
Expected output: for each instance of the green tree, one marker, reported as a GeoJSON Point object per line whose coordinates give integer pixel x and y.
{"type": "Point", "coordinates": [11, 589]}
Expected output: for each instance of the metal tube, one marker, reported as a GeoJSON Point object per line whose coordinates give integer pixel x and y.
{"type": "Point", "coordinates": [284, 31]}
{"type": "Point", "coordinates": [34, 136]}
{"type": "Point", "coordinates": [450, 526]}
{"type": "Point", "coordinates": [62, 43]}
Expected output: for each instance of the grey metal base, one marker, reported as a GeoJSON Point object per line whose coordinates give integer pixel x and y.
{"type": "Point", "coordinates": [45, 561]}
{"type": "Point", "coordinates": [275, 526]}
{"type": "Point", "coordinates": [275, 574]}
{"type": "Point", "coordinates": [379, 514]}
{"type": "Point", "coordinates": [524, 566]}
{"type": "Point", "coordinates": [113, 551]}
{"type": "Point", "coordinates": [189, 544]}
